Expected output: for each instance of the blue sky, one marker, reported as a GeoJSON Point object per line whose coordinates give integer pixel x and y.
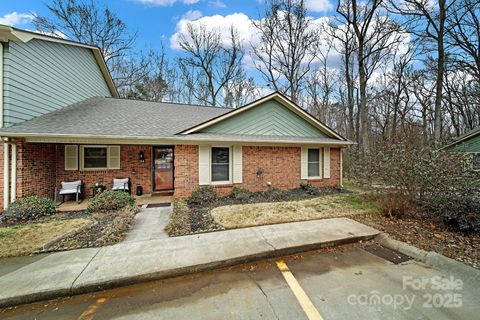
{"type": "Point", "coordinates": [157, 20]}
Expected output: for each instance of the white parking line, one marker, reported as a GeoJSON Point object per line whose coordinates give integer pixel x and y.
{"type": "Point", "coordinates": [305, 302]}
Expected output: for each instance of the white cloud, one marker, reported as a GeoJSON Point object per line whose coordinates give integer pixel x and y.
{"type": "Point", "coordinates": [221, 24]}
{"type": "Point", "coordinates": [318, 5]}
{"type": "Point", "coordinates": [192, 15]}
{"type": "Point", "coordinates": [16, 19]}
{"type": "Point", "coordinates": [164, 3]}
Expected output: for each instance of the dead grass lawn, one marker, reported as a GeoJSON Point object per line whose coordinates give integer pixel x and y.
{"type": "Point", "coordinates": [25, 239]}
{"type": "Point", "coordinates": [329, 206]}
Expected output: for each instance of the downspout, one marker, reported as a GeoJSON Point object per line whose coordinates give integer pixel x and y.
{"type": "Point", "coordinates": [341, 167]}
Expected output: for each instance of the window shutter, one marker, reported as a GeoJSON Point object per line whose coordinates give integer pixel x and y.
{"type": "Point", "coordinates": [71, 157]}
{"type": "Point", "coordinates": [114, 157]}
{"type": "Point", "coordinates": [203, 165]}
{"type": "Point", "coordinates": [304, 163]}
{"type": "Point", "coordinates": [326, 163]}
{"type": "Point", "coordinates": [237, 164]}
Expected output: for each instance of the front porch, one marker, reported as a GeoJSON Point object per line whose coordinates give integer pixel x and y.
{"type": "Point", "coordinates": [33, 168]}
{"type": "Point", "coordinates": [142, 200]}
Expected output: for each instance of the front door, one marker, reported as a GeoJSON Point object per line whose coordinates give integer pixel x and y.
{"type": "Point", "coordinates": [162, 168]}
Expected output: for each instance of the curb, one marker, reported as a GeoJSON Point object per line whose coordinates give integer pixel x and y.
{"type": "Point", "coordinates": [182, 271]}
{"type": "Point", "coordinates": [430, 258]}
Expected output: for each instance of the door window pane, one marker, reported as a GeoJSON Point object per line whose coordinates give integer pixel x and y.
{"type": "Point", "coordinates": [94, 157]}
{"type": "Point", "coordinates": [313, 162]}
{"type": "Point", "coordinates": [220, 164]}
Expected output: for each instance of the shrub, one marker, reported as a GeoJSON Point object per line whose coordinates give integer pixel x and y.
{"type": "Point", "coordinates": [240, 194]}
{"type": "Point", "coordinates": [108, 201]}
{"type": "Point", "coordinates": [273, 194]}
{"type": "Point", "coordinates": [309, 188]}
{"type": "Point", "coordinates": [204, 195]}
{"type": "Point", "coordinates": [116, 230]}
{"type": "Point", "coordinates": [442, 184]}
{"type": "Point", "coordinates": [460, 212]}
{"type": "Point", "coordinates": [393, 205]}
{"type": "Point", "coordinates": [28, 209]}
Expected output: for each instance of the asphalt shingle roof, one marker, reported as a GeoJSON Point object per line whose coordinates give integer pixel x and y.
{"type": "Point", "coordinates": [118, 117]}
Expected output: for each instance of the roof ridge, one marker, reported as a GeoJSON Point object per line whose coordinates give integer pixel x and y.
{"type": "Point", "coordinates": [175, 103]}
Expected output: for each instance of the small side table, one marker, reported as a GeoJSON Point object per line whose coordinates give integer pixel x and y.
{"type": "Point", "coordinates": [97, 190]}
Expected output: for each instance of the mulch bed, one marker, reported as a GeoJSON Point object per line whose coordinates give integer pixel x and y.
{"type": "Point", "coordinates": [429, 235]}
{"type": "Point", "coordinates": [107, 229]}
{"type": "Point", "coordinates": [196, 218]}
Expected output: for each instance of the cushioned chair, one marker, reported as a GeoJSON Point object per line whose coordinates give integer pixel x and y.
{"type": "Point", "coordinates": [69, 188]}
{"type": "Point", "coordinates": [121, 184]}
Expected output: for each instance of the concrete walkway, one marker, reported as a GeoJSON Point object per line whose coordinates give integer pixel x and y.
{"type": "Point", "coordinates": [80, 271]}
{"type": "Point", "coordinates": [150, 224]}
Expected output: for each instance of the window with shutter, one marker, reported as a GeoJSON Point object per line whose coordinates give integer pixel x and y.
{"type": "Point", "coordinates": [99, 157]}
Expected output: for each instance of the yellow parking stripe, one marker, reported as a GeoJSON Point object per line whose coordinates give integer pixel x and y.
{"type": "Point", "coordinates": [90, 312]}
{"type": "Point", "coordinates": [305, 302]}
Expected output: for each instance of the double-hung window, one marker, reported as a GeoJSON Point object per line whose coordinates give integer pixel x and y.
{"type": "Point", "coordinates": [313, 163]}
{"type": "Point", "coordinates": [220, 161]}
{"type": "Point", "coordinates": [95, 157]}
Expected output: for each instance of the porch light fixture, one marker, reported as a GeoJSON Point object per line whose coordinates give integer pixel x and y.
{"type": "Point", "coordinates": [141, 157]}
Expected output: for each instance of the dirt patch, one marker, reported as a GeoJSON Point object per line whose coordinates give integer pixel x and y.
{"type": "Point", "coordinates": [428, 235]}
{"type": "Point", "coordinates": [327, 206]}
{"type": "Point", "coordinates": [25, 239]}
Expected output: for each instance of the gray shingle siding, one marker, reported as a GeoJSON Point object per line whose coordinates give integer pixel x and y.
{"type": "Point", "coordinates": [41, 77]}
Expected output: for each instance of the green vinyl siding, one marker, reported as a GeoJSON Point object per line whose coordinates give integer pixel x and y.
{"type": "Point", "coordinates": [270, 119]}
{"type": "Point", "coordinates": [470, 145]}
{"type": "Point", "coordinates": [41, 77]}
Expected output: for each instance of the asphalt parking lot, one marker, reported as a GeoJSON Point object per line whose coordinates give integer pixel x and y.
{"type": "Point", "coordinates": [346, 282]}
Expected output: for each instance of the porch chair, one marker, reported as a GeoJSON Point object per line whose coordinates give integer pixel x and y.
{"type": "Point", "coordinates": [121, 184]}
{"type": "Point", "coordinates": [67, 188]}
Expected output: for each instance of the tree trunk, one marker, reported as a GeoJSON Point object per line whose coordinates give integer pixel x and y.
{"type": "Point", "coordinates": [437, 125]}
{"type": "Point", "coordinates": [363, 138]}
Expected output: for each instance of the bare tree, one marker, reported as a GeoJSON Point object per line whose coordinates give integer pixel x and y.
{"type": "Point", "coordinates": [427, 20]}
{"type": "Point", "coordinates": [376, 37]}
{"type": "Point", "coordinates": [344, 43]}
{"type": "Point", "coordinates": [87, 23]}
{"type": "Point", "coordinates": [284, 54]}
{"type": "Point", "coordinates": [211, 64]}
{"type": "Point", "coordinates": [463, 35]}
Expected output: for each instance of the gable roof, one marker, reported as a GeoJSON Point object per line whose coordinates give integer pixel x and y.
{"type": "Point", "coordinates": [113, 120]}
{"type": "Point", "coordinates": [8, 33]}
{"type": "Point", "coordinates": [280, 98]}
{"type": "Point", "coordinates": [463, 138]}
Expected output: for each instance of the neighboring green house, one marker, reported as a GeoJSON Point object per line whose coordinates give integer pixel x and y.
{"type": "Point", "coordinates": [468, 143]}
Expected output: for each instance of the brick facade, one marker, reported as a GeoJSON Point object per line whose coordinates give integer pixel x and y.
{"type": "Point", "coordinates": [140, 174]}
{"type": "Point", "coordinates": [281, 167]}
{"type": "Point", "coordinates": [41, 168]}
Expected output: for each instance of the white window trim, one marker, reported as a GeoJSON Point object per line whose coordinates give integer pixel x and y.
{"type": "Point", "coordinates": [230, 164]}
{"type": "Point", "coordinates": [320, 166]}
{"type": "Point", "coordinates": [82, 158]}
